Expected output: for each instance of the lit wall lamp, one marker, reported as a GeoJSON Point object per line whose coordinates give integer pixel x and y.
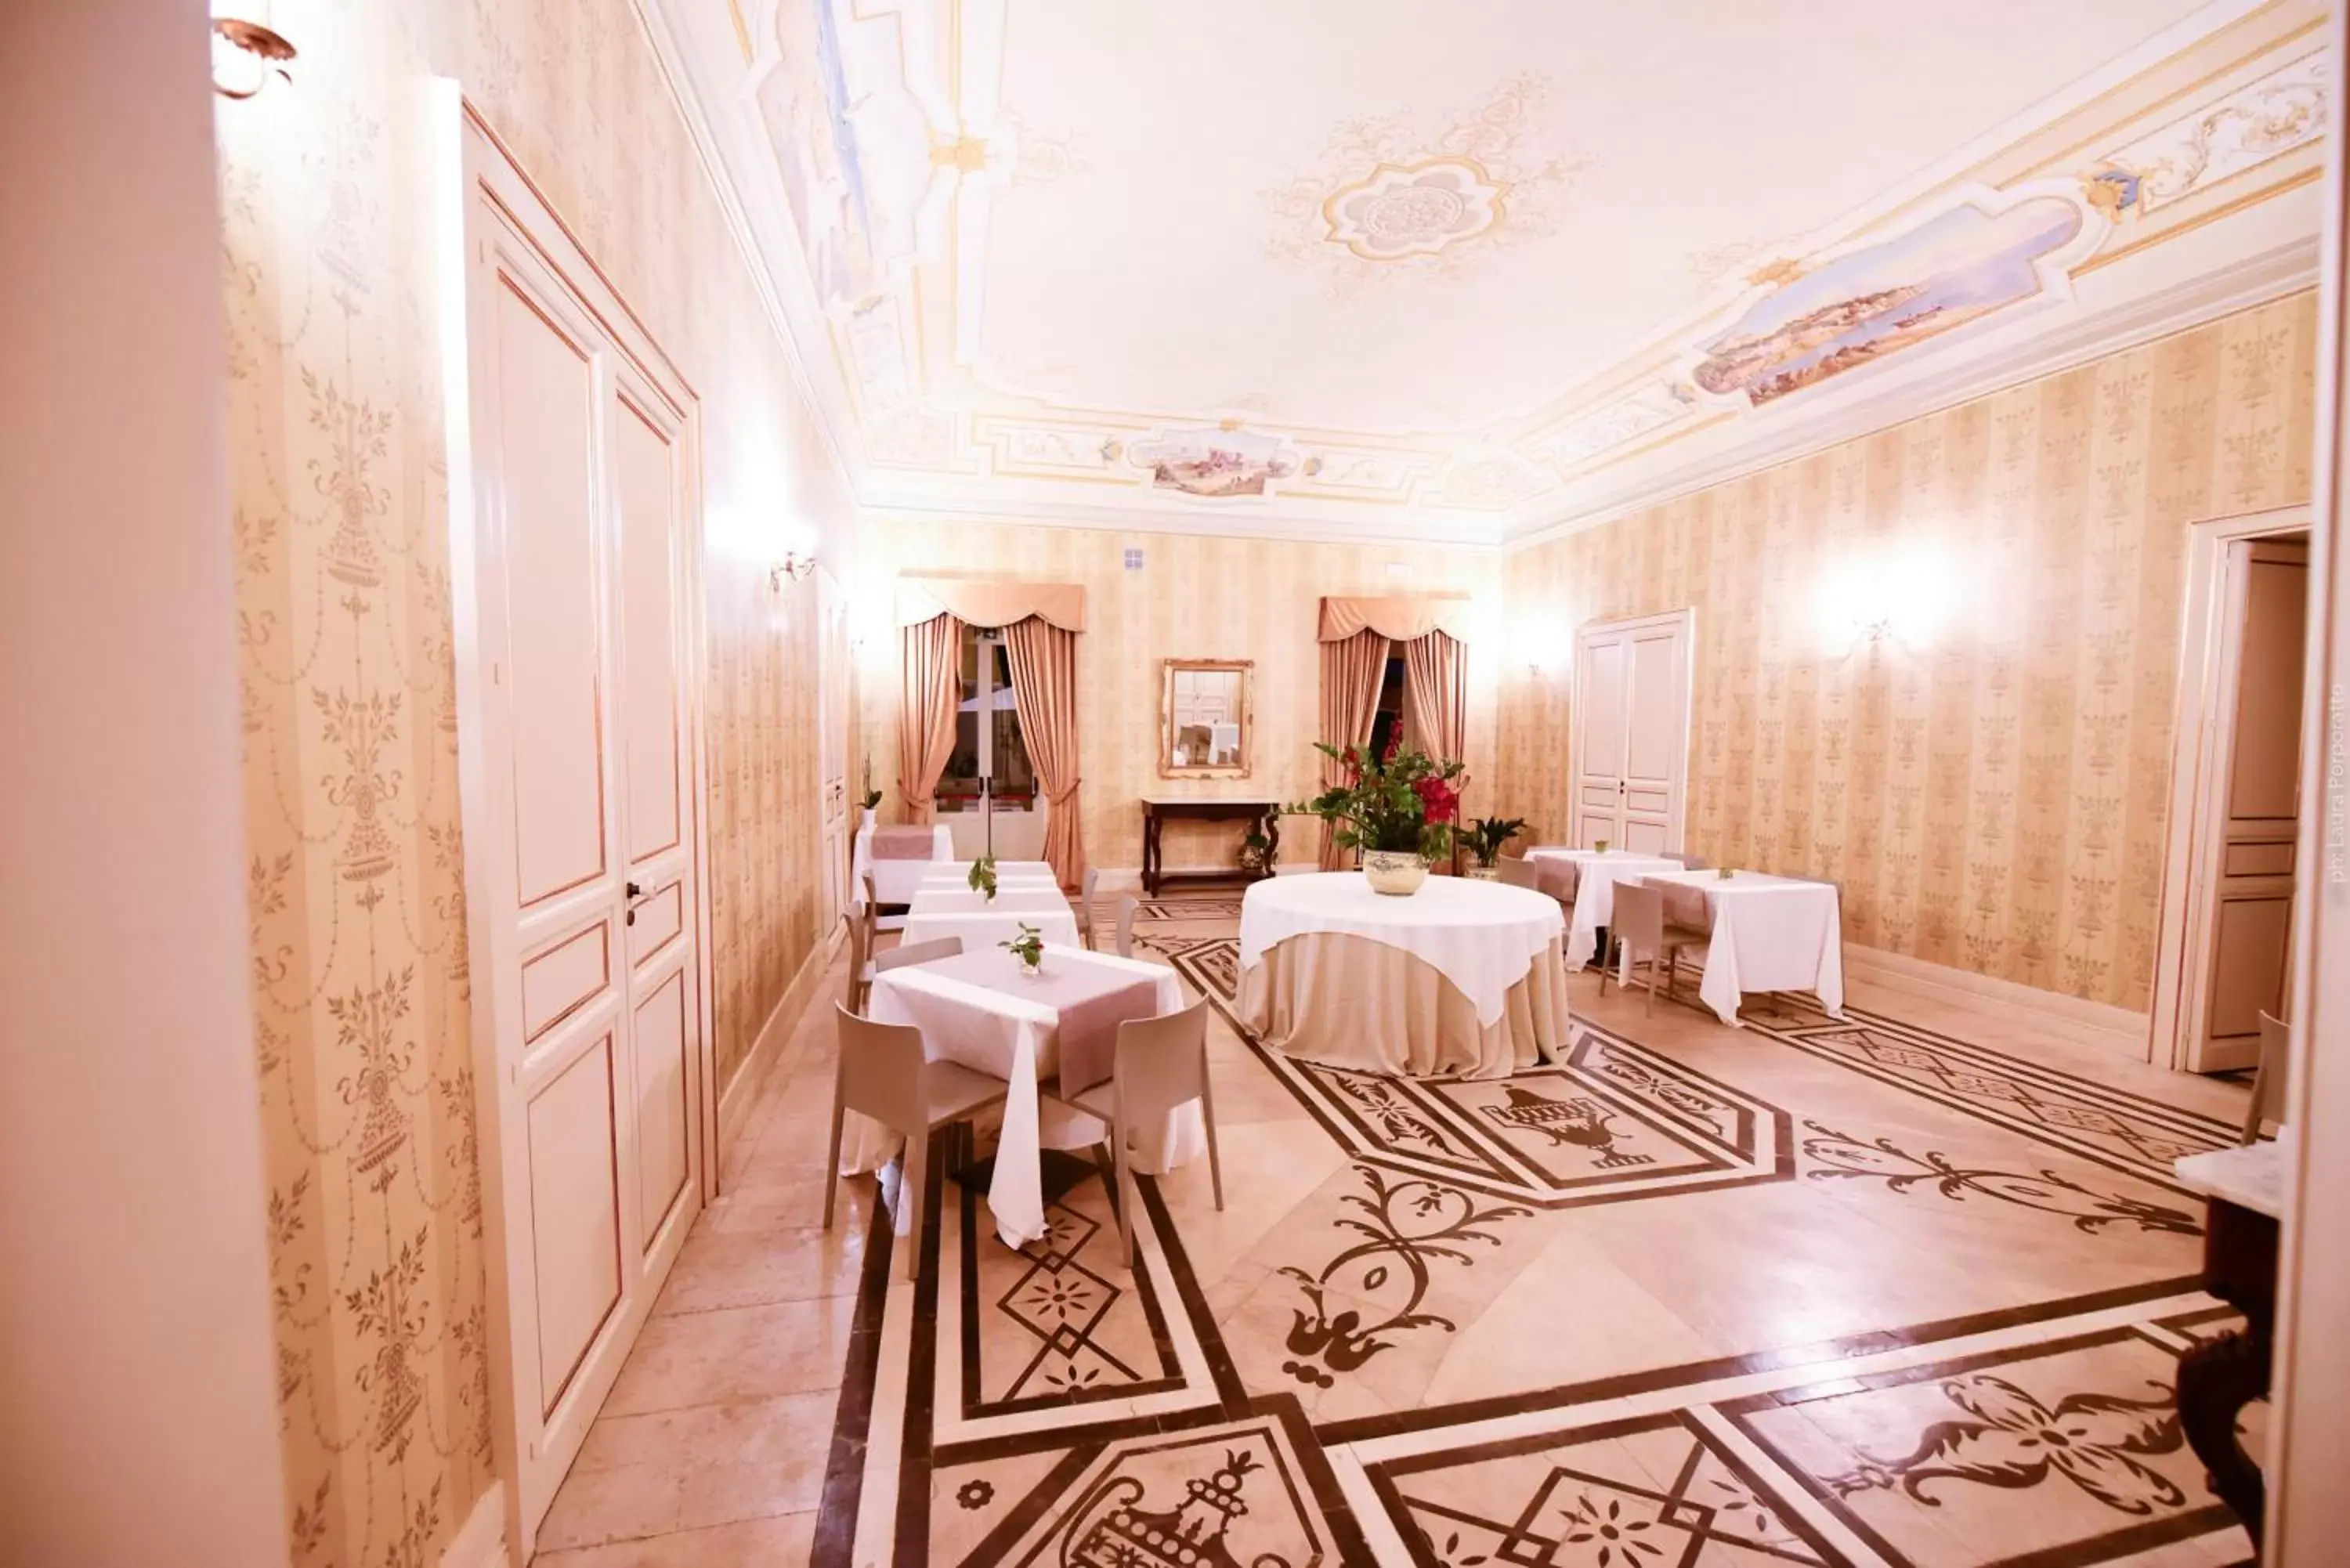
{"type": "Point", "coordinates": [794, 566]}
{"type": "Point", "coordinates": [246, 55]}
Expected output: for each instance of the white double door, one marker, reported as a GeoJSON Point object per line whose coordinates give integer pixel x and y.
{"type": "Point", "coordinates": [1629, 770]}
{"type": "Point", "coordinates": [574, 563]}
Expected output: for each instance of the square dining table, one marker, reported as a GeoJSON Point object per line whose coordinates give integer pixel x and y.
{"type": "Point", "coordinates": [1770, 933]}
{"type": "Point", "coordinates": [979, 1010]}
{"type": "Point", "coordinates": [982, 923]}
{"type": "Point", "coordinates": [1593, 902]}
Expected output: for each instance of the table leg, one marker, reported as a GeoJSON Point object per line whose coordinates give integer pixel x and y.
{"type": "Point", "coordinates": [2215, 1380]}
{"type": "Point", "coordinates": [1270, 821]}
{"type": "Point", "coordinates": [1149, 853]}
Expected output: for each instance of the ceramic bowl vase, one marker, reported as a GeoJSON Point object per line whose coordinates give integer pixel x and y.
{"type": "Point", "coordinates": [1396, 872]}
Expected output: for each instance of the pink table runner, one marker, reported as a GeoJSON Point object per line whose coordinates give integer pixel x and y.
{"type": "Point", "coordinates": [902, 843]}
{"type": "Point", "coordinates": [1091, 1001]}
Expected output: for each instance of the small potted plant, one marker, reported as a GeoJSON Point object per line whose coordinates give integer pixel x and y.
{"type": "Point", "coordinates": [1399, 809]}
{"type": "Point", "coordinates": [1599, 846]}
{"type": "Point", "coordinates": [983, 878]}
{"type": "Point", "coordinates": [1028, 947]}
{"type": "Point", "coordinates": [1256, 851]}
{"type": "Point", "coordinates": [1485, 837]}
{"type": "Point", "coordinates": [871, 798]}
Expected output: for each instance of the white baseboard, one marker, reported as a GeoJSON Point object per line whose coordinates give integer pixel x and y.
{"type": "Point", "coordinates": [2094, 1023]}
{"type": "Point", "coordinates": [481, 1541]}
{"type": "Point", "coordinates": [736, 1103]}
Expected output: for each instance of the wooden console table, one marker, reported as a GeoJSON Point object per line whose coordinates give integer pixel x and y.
{"type": "Point", "coordinates": [1157, 810]}
{"type": "Point", "coordinates": [2245, 1189]}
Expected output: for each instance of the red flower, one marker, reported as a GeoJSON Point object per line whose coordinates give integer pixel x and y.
{"type": "Point", "coordinates": [1395, 744]}
{"type": "Point", "coordinates": [1439, 802]}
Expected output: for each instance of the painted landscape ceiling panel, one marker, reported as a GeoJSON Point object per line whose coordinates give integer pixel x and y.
{"type": "Point", "coordinates": [1386, 269]}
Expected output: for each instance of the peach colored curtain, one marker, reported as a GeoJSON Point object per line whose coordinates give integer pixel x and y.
{"type": "Point", "coordinates": [982, 602]}
{"type": "Point", "coordinates": [931, 684]}
{"type": "Point", "coordinates": [1352, 672]}
{"type": "Point", "coordinates": [1436, 666]}
{"type": "Point", "coordinates": [1400, 617]}
{"type": "Point", "coordinates": [1044, 659]}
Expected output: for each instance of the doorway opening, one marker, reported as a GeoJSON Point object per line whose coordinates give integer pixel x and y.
{"type": "Point", "coordinates": [1628, 775]}
{"type": "Point", "coordinates": [2227, 914]}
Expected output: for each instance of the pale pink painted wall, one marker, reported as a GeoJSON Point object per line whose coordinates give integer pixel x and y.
{"type": "Point", "coordinates": [138, 1423]}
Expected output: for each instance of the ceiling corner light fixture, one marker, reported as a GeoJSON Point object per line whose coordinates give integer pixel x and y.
{"type": "Point", "coordinates": [246, 55]}
{"type": "Point", "coordinates": [794, 566]}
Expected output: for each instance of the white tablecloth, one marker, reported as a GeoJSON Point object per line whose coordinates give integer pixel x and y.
{"type": "Point", "coordinates": [894, 881]}
{"type": "Point", "coordinates": [1481, 936]}
{"type": "Point", "coordinates": [1000, 1033]}
{"type": "Point", "coordinates": [1595, 891]}
{"type": "Point", "coordinates": [938, 912]}
{"type": "Point", "coordinates": [1770, 933]}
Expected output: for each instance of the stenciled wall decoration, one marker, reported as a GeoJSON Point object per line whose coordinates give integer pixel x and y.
{"type": "Point", "coordinates": [1988, 778]}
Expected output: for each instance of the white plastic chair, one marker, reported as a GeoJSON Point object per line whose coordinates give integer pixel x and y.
{"type": "Point", "coordinates": [905, 953]}
{"type": "Point", "coordinates": [1127, 906]}
{"type": "Point", "coordinates": [880, 1072]}
{"type": "Point", "coordinates": [1161, 1066]}
{"type": "Point", "coordinates": [2267, 1078]}
{"type": "Point", "coordinates": [1638, 926]}
{"type": "Point", "coordinates": [1085, 907]}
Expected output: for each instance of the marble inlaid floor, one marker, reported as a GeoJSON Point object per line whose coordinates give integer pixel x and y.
{"type": "Point", "coordinates": [1870, 1292]}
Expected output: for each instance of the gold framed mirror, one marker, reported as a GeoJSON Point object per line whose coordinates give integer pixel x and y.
{"type": "Point", "coordinates": [1205, 722]}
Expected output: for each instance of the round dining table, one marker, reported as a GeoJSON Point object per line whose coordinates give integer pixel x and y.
{"type": "Point", "coordinates": [1462, 979]}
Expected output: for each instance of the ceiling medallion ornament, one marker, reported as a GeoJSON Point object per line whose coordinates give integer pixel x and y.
{"type": "Point", "coordinates": [1415, 210]}
{"type": "Point", "coordinates": [1393, 195]}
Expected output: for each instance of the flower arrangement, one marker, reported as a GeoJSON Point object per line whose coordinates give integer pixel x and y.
{"type": "Point", "coordinates": [1486, 836]}
{"type": "Point", "coordinates": [983, 878]}
{"type": "Point", "coordinates": [1398, 803]}
{"type": "Point", "coordinates": [871, 797]}
{"type": "Point", "coordinates": [1028, 947]}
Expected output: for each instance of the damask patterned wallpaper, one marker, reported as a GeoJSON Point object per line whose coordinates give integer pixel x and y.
{"type": "Point", "coordinates": [357, 900]}
{"type": "Point", "coordinates": [1991, 790]}
{"type": "Point", "coordinates": [1196, 597]}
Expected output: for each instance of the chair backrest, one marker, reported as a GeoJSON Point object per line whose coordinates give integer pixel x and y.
{"type": "Point", "coordinates": [860, 939]}
{"type": "Point", "coordinates": [2268, 1084]}
{"type": "Point", "coordinates": [1085, 903]}
{"type": "Point", "coordinates": [919, 952]}
{"type": "Point", "coordinates": [879, 1074]}
{"type": "Point", "coordinates": [1520, 873]}
{"type": "Point", "coordinates": [1127, 904]}
{"type": "Point", "coordinates": [1692, 862]}
{"type": "Point", "coordinates": [1161, 1063]}
{"type": "Point", "coordinates": [1638, 920]}
{"type": "Point", "coordinates": [872, 902]}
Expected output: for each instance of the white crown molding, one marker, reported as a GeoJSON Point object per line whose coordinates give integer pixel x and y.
{"type": "Point", "coordinates": [1482, 537]}
{"type": "Point", "coordinates": [2285, 270]}
{"type": "Point", "coordinates": [827, 401]}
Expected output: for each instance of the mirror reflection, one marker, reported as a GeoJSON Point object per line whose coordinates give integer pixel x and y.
{"type": "Point", "coordinates": [1206, 717]}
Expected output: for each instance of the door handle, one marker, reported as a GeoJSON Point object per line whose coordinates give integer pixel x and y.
{"type": "Point", "coordinates": [636, 895]}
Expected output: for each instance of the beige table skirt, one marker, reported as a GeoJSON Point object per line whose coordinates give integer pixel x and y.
{"type": "Point", "coordinates": [1350, 1001]}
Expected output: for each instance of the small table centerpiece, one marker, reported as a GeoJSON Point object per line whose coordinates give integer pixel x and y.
{"type": "Point", "coordinates": [1028, 947]}
{"type": "Point", "coordinates": [983, 878]}
{"type": "Point", "coordinates": [1399, 809]}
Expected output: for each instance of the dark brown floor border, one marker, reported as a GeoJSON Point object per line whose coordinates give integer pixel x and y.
{"type": "Point", "coordinates": [852, 1422]}
{"type": "Point", "coordinates": [913, 1546]}
{"type": "Point", "coordinates": [1429, 1418]}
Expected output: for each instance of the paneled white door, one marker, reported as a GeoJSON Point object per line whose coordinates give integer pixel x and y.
{"type": "Point", "coordinates": [1630, 739]}
{"type": "Point", "coordinates": [2243, 939]}
{"type": "Point", "coordinates": [573, 557]}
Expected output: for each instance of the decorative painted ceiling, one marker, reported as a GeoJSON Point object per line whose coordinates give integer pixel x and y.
{"type": "Point", "coordinates": [1473, 269]}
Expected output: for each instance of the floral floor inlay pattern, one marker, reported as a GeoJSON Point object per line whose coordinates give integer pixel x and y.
{"type": "Point", "coordinates": [1816, 1292]}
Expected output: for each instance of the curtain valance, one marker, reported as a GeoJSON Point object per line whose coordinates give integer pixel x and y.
{"type": "Point", "coordinates": [981, 602]}
{"type": "Point", "coordinates": [1400, 616]}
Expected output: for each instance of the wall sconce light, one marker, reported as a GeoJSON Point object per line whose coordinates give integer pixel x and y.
{"type": "Point", "coordinates": [246, 55]}
{"type": "Point", "coordinates": [794, 566]}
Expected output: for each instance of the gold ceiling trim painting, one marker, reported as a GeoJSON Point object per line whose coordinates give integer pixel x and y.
{"type": "Point", "coordinates": [1390, 197]}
